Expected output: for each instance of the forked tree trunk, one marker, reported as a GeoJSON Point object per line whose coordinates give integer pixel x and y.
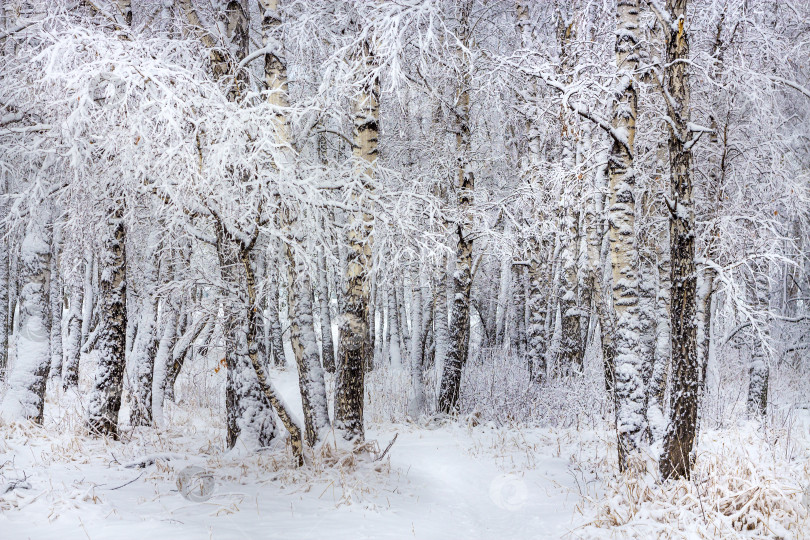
{"type": "Point", "coordinates": [249, 412]}
{"type": "Point", "coordinates": [199, 331]}
{"type": "Point", "coordinates": [170, 327]}
{"type": "Point", "coordinates": [105, 398]}
{"type": "Point", "coordinates": [25, 398]}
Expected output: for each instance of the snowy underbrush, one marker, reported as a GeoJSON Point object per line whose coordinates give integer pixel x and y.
{"type": "Point", "coordinates": [743, 485]}
{"type": "Point", "coordinates": [750, 478]}
{"type": "Point", "coordinates": [498, 388]}
{"type": "Point", "coordinates": [59, 467]}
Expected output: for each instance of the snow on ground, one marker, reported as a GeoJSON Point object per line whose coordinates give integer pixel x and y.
{"type": "Point", "coordinates": [469, 479]}
{"type": "Point", "coordinates": [438, 481]}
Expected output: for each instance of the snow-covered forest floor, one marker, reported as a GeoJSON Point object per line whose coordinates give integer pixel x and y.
{"type": "Point", "coordinates": [485, 475]}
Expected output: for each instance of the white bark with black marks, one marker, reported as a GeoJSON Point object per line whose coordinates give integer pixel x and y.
{"type": "Point", "coordinates": [105, 397]}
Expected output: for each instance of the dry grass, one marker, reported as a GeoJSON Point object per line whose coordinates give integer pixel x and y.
{"type": "Point", "coordinates": [740, 488]}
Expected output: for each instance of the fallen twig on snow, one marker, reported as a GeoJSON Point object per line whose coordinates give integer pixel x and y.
{"type": "Point", "coordinates": [387, 448]}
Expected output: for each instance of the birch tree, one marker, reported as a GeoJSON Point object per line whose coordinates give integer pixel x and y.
{"type": "Point", "coordinates": [105, 396]}
{"type": "Point", "coordinates": [464, 186]}
{"type": "Point", "coordinates": [629, 385]}
{"type": "Point", "coordinates": [355, 345]}
{"type": "Point", "coordinates": [680, 434]}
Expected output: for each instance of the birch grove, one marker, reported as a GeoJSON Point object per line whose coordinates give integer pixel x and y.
{"type": "Point", "coordinates": [604, 195]}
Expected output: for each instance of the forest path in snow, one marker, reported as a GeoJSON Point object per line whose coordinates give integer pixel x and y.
{"type": "Point", "coordinates": [476, 484]}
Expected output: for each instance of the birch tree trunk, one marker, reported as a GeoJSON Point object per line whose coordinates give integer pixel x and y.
{"type": "Point", "coordinates": [539, 267]}
{"type": "Point", "coordinates": [663, 345]}
{"type": "Point", "coordinates": [200, 331]}
{"type": "Point", "coordinates": [327, 347]}
{"type": "Point", "coordinates": [629, 388]}
{"type": "Point", "coordinates": [355, 346]}
{"type": "Point", "coordinates": [262, 330]}
{"type": "Point", "coordinates": [394, 350]}
{"type": "Point", "coordinates": [70, 377]}
{"type": "Point", "coordinates": [302, 333]}
{"type": "Point", "coordinates": [538, 276]}
{"type": "Point", "coordinates": [646, 304]}
{"type": "Point", "coordinates": [596, 232]}
{"type": "Point", "coordinates": [758, 372]}
{"type": "Point", "coordinates": [170, 322]}
{"type": "Point", "coordinates": [462, 277]}
{"type": "Point", "coordinates": [416, 402]}
{"type": "Point", "coordinates": [305, 349]}
{"type": "Point", "coordinates": [88, 301]}
{"type": "Point", "coordinates": [55, 294]}
{"type": "Point", "coordinates": [520, 285]}
{"type": "Point", "coordinates": [25, 398]}
{"type": "Point", "coordinates": [704, 293]}
{"type": "Point", "coordinates": [571, 350]}
{"type": "Point", "coordinates": [274, 321]}
{"type": "Point", "coordinates": [680, 435]}
{"type": "Point", "coordinates": [105, 397]}
{"type": "Point", "coordinates": [505, 287]}
{"type": "Point", "coordinates": [145, 341]}
{"type": "Point", "coordinates": [5, 261]}
{"type": "Point", "coordinates": [249, 411]}
{"type": "Point", "coordinates": [402, 317]}
{"type": "Point", "coordinates": [379, 334]}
